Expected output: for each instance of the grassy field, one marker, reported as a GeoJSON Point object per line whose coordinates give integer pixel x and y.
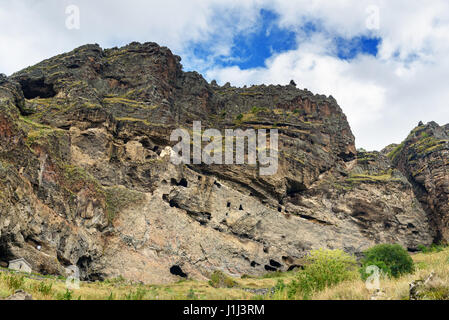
{"type": "Point", "coordinates": [248, 288]}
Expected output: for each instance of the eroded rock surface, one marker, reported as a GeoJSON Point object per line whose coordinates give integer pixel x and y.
{"type": "Point", "coordinates": [86, 177]}
{"type": "Point", "coordinates": [424, 158]}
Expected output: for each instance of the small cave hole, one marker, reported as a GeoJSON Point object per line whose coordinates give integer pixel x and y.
{"type": "Point", "coordinates": [74, 66]}
{"type": "Point", "coordinates": [34, 88]}
{"type": "Point", "coordinates": [270, 268]}
{"type": "Point", "coordinates": [182, 183]}
{"type": "Point", "coordinates": [254, 264]}
{"type": "Point", "coordinates": [228, 205]}
{"type": "Point", "coordinates": [288, 260]}
{"type": "Point", "coordinates": [217, 184]}
{"type": "Point", "coordinates": [241, 208]}
{"type": "Point", "coordinates": [5, 253]}
{"type": "Point", "coordinates": [146, 143]}
{"type": "Point", "coordinates": [293, 267]}
{"type": "Point", "coordinates": [177, 271]}
{"type": "Point", "coordinates": [173, 204]}
{"type": "Point", "coordinates": [275, 264]}
{"type": "Point", "coordinates": [295, 187]}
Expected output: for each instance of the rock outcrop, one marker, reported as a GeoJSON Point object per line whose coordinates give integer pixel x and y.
{"type": "Point", "coordinates": [85, 174]}
{"type": "Point", "coordinates": [424, 158]}
{"type": "Point", "coordinates": [20, 295]}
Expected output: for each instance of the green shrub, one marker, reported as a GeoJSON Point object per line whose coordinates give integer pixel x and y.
{"type": "Point", "coordinates": [191, 295]}
{"type": "Point", "coordinates": [220, 280]}
{"type": "Point", "coordinates": [139, 294]}
{"type": "Point", "coordinates": [434, 248]}
{"type": "Point", "coordinates": [435, 293]}
{"type": "Point", "coordinates": [44, 288]}
{"type": "Point", "coordinates": [255, 110]}
{"type": "Point", "coordinates": [392, 259]}
{"type": "Point", "coordinates": [323, 269]}
{"type": "Point", "coordinates": [274, 274]}
{"type": "Point", "coordinates": [15, 282]}
{"type": "Point", "coordinates": [67, 295]}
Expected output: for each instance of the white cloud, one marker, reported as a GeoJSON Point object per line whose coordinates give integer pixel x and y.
{"type": "Point", "coordinates": [32, 30]}
{"type": "Point", "coordinates": [384, 97]}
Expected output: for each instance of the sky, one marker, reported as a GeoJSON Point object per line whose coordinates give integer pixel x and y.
{"type": "Point", "coordinates": [386, 62]}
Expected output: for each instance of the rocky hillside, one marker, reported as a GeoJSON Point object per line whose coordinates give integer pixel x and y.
{"type": "Point", "coordinates": [424, 159]}
{"type": "Point", "coordinates": [85, 180]}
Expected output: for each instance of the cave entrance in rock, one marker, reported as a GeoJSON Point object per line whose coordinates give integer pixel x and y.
{"type": "Point", "coordinates": [294, 187]}
{"type": "Point", "coordinates": [37, 88]}
{"type": "Point", "coordinates": [177, 271]}
{"type": "Point", "coordinates": [5, 254]}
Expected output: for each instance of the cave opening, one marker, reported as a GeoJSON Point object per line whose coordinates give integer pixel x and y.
{"type": "Point", "coordinates": [174, 204]}
{"type": "Point", "coordinates": [270, 268]}
{"type": "Point", "coordinates": [5, 253]}
{"type": "Point", "coordinates": [294, 187]}
{"type": "Point", "coordinates": [37, 88]}
{"type": "Point", "coordinates": [177, 271]}
{"type": "Point", "coordinates": [294, 267]}
{"type": "Point", "coordinates": [275, 264]}
{"type": "Point", "coordinates": [254, 264]}
{"type": "Point", "coordinates": [182, 183]}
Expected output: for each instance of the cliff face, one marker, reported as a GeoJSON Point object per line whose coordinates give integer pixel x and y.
{"type": "Point", "coordinates": [424, 158]}
{"type": "Point", "coordinates": [85, 178]}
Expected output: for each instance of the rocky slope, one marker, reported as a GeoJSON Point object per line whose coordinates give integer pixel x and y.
{"type": "Point", "coordinates": [424, 158]}
{"type": "Point", "coordinates": [85, 180]}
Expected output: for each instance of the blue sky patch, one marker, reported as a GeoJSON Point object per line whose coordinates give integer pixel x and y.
{"type": "Point", "coordinates": [251, 49]}
{"type": "Point", "coordinates": [348, 49]}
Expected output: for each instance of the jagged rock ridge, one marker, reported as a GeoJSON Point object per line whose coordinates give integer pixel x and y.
{"type": "Point", "coordinates": [82, 175]}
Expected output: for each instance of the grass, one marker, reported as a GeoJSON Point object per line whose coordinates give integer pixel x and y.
{"type": "Point", "coordinates": [219, 279]}
{"type": "Point", "coordinates": [433, 248]}
{"type": "Point", "coordinates": [384, 177]}
{"type": "Point", "coordinates": [393, 155]}
{"type": "Point", "coordinates": [120, 289]}
{"type": "Point", "coordinates": [42, 135]}
{"type": "Point", "coordinates": [428, 144]}
{"type": "Point", "coordinates": [128, 102]}
{"type": "Point", "coordinates": [396, 288]}
{"type": "Point", "coordinates": [119, 198]}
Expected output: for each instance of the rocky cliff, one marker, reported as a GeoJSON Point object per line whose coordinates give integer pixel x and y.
{"type": "Point", "coordinates": [424, 158]}
{"type": "Point", "coordinates": [85, 178]}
